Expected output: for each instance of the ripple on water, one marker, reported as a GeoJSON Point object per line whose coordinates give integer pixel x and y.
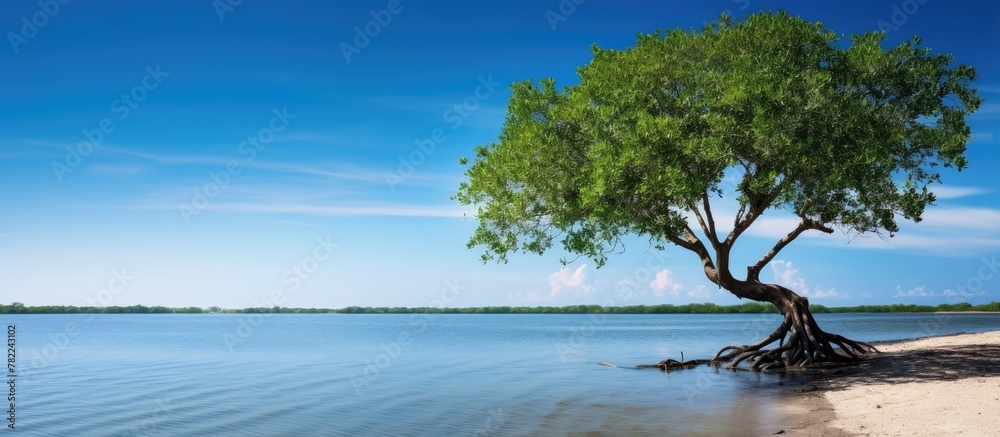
{"type": "Point", "coordinates": [462, 374]}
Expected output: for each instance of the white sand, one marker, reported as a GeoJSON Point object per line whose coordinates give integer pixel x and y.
{"type": "Point", "coordinates": [967, 406]}
{"type": "Point", "coordinates": [991, 337]}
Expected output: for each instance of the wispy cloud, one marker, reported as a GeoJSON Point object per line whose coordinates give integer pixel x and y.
{"type": "Point", "coordinates": [921, 291]}
{"type": "Point", "coordinates": [986, 219]}
{"type": "Point", "coordinates": [789, 277]}
{"type": "Point", "coordinates": [987, 111]}
{"type": "Point", "coordinates": [982, 137]}
{"type": "Point", "coordinates": [332, 210]}
{"type": "Point", "coordinates": [45, 143]}
{"type": "Point", "coordinates": [170, 159]}
{"type": "Point", "coordinates": [353, 173]}
{"type": "Point", "coordinates": [988, 89]}
{"type": "Point", "coordinates": [341, 173]}
{"type": "Point", "coordinates": [947, 231]}
{"type": "Point", "coordinates": [941, 245]}
{"type": "Point", "coordinates": [946, 192]}
{"type": "Point", "coordinates": [14, 148]}
{"type": "Point", "coordinates": [392, 210]}
{"type": "Point", "coordinates": [115, 170]}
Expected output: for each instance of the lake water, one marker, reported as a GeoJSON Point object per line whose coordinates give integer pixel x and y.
{"type": "Point", "coordinates": [341, 374]}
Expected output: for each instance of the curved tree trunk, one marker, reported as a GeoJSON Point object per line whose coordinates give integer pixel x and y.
{"type": "Point", "coordinates": [800, 340]}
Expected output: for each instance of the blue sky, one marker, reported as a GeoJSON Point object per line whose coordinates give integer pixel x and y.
{"type": "Point", "coordinates": [201, 153]}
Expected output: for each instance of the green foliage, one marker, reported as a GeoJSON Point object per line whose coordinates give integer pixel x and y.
{"type": "Point", "coordinates": [796, 112]}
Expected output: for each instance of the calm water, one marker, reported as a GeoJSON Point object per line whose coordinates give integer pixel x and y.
{"type": "Point", "coordinates": [405, 374]}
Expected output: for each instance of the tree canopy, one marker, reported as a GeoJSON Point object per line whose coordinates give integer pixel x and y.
{"type": "Point", "coordinates": [841, 131]}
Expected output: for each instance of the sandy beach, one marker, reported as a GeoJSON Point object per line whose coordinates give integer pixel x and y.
{"type": "Point", "coordinates": [947, 385]}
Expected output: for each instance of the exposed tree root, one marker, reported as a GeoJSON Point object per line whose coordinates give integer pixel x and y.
{"type": "Point", "coordinates": [806, 345]}
{"type": "Point", "coordinates": [800, 344]}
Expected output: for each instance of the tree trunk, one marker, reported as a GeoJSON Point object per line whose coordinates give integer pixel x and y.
{"type": "Point", "coordinates": [800, 341]}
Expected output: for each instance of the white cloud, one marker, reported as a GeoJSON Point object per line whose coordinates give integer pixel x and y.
{"type": "Point", "coordinates": [820, 293]}
{"type": "Point", "coordinates": [944, 231]}
{"type": "Point", "coordinates": [947, 231]}
{"type": "Point", "coordinates": [987, 219]}
{"type": "Point", "coordinates": [789, 277]}
{"type": "Point", "coordinates": [699, 292]}
{"type": "Point", "coordinates": [916, 291]}
{"type": "Point", "coordinates": [561, 283]}
{"type": "Point", "coordinates": [949, 293]}
{"type": "Point", "coordinates": [777, 225]}
{"type": "Point", "coordinates": [664, 283]}
{"type": "Point", "coordinates": [939, 245]}
{"type": "Point", "coordinates": [951, 192]}
{"type": "Point", "coordinates": [564, 282]}
{"type": "Point", "coordinates": [921, 291]}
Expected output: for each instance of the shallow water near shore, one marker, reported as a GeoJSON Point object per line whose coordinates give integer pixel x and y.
{"type": "Point", "coordinates": [461, 374]}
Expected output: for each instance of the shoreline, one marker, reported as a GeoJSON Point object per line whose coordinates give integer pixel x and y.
{"type": "Point", "coordinates": [965, 312]}
{"type": "Point", "coordinates": [940, 385]}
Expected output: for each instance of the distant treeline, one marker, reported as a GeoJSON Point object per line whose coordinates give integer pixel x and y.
{"type": "Point", "coordinates": [19, 308]}
{"type": "Point", "coordinates": [693, 308]}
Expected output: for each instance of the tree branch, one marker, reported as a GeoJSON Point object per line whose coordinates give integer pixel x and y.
{"type": "Point", "coordinates": [693, 243]}
{"type": "Point", "coordinates": [709, 232]}
{"type": "Point", "coordinates": [743, 206]}
{"type": "Point", "coordinates": [805, 207]}
{"type": "Point", "coordinates": [753, 272]}
{"type": "Point", "coordinates": [739, 215]}
{"type": "Point", "coordinates": [709, 218]}
{"type": "Point", "coordinates": [744, 222]}
{"type": "Point", "coordinates": [754, 211]}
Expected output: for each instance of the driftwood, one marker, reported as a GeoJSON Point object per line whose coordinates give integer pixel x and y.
{"type": "Point", "coordinates": [671, 364]}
